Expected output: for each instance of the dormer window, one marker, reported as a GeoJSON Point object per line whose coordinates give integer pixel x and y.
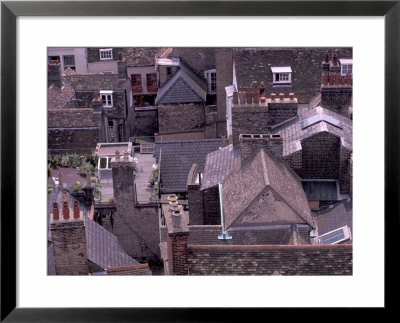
{"type": "Point", "coordinates": [211, 77]}
{"type": "Point", "coordinates": [106, 97]}
{"type": "Point", "coordinates": [281, 75]}
{"type": "Point", "coordinates": [106, 54]}
{"type": "Point", "coordinates": [346, 66]}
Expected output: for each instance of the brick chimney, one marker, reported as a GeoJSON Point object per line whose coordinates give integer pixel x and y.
{"type": "Point", "coordinates": [178, 233]}
{"type": "Point", "coordinates": [123, 181]}
{"type": "Point", "coordinates": [69, 240]}
{"type": "Point", "coordinates": [122, 68]}
{"type": "Point", "coordinates": [250, 144]}
{"type": "Point", "coordinates": [195, 197]}
{"type": "Point", "coordinates": [54, 73]}
{"type": "Point", "coordinates": [97, 103]}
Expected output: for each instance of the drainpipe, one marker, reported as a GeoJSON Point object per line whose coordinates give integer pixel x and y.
{"type": "Point", "coordinates": [224, 235]}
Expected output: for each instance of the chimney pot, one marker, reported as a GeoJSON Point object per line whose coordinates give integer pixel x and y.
{"type": "Point", "coordinates": [126, 155]}
{"type": "Point", "coordinates": [176, 219]}
{"type": "Point", "coordinates": [281, 96]}
{"type": "Point", "coordinates": [249, 95]}
{"type": "Point", "coordinates": [120, 56]}
{"type": "Point", "coordinates": [256, 95]}
{"type": "Point", "coordinates": [60, 179]}
{"type": "Point", "coordinates": [65, 210]}
{"type": "Point", "coordinates": [326, 56]}
{"type": "Point", "coordinates": [223, 141]}
{"type": "Point", "coordinates": [96, 95]}
{"type": "Point", "coordinates": [262, 99]}
{"type": "Point", "coordinates": [88, 175]}
{"type": "Point", "coordinates": [348, 78]}
{"type": "Point", "coordinates": [76, 210]}
{"type": "Point", "coordinates": [331, 79]}
{"type": "Point", "coordinates": [172, 197]}
{"type": "Point", "coordinates": [342, 80]}
{"type": "Point", "coordinates": [273, 96]}
{"type": "Point", "coordinates": [56, 212]}
{"type": "Point", "coordinates": [325, 78]}
{"type": "Point", "coordinates": [230, 140]}
{"type": "Point", "coordinates": [117, 155]}
{"type": "Point", "coordinates": [291, 96]}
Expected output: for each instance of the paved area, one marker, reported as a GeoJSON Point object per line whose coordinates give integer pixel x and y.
{"type": "Point", "coordinates": [143, 173]}
{"type": "Point", "coordinates": [69, 176]}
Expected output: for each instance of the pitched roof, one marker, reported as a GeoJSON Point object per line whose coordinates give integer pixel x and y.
{"type": "Point", "coordinates": [96, 82]}
{"type": "Point", "coordinates": [184, 87]}
{"type": "Point", "coordinates": [293, 134]}
{"type": "Point", "coordinates": [140, 56]}
{"type": "Point", "coordinates": [252, 183]}
{"type": "Point", "coordinates": [177, 157]}
{"type": "Point", "coordinates": [73, 118]}
{"type": "Point", "coordinates": [58, 97]}
{"type": "Point", "coordinates": [218, 165]}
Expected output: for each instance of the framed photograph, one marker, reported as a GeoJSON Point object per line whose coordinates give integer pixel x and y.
{"type": "Point", "coordinates": [29, 28]}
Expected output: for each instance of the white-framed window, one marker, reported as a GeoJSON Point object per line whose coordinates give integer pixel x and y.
{"type": "Point", "coordinates": [211, 77]}
{"type": "Point", "coordinates": [106, 54]}
{"type": "Point", "coordinates": [107, 98]}
{"type": "Point", "coordinates": [281, 74]}
{"type": "Point", "coordinates": [69, 61]}
{"type": "Point", "coordinates": [346, 68]}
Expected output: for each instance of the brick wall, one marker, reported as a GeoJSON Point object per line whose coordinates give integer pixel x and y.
{"type": "Point", "coordinates": [224, 68]}
{"type": "Point", "coordinates": [177, 245]}
{"type": "Point", "coordinates": [336, 98]}
{"type": "Point", "coordinates": [294, 161]}
{"type": "Point", "coordinates": [268, 259]}
{"type": "Point", "coordinates": [142, 269]}
{"type": "Point", "coordinates": [69, 245]}
{"type": "Point", "coordinates": [146, 122]}
{"type": "Point", "coordinates": [212, 213]}
{"type": "Point", "coordinates": [211, 115]}
{"type": "Point", "coordinates": [251, 144]}
{"type": "Point", "coordinates": [136, 228]}
{"type": "Point", "coordinates": [281, 110]}
{"type": "Point", "coordinates": [345, 171]}
{"type": "Point", "coordinates": [321, 156]}
{"type": "Point", "coordinates": [180, 117]}
{"type": "Point", "coordinates": [195, 197]}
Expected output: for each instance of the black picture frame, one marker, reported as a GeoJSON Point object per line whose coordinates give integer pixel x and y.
{"type": "Point", "coordinates": [10, 10]}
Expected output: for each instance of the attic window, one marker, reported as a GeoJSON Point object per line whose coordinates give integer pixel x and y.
{"type": "Point", "coordinates": [346, 66]}
{"type": "Point", "coordinates": [106, 54]}
{"type": "Point", "coordinates": [336, 236]}
{"type": "Point", "coordinates": [211, 77]}
{"type": "Point", "coordinates": [106, 97]}
{"type": "Point", "coordinates": [281, 75]}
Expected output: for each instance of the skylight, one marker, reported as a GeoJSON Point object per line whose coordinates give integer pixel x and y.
{"type": "Point", "coordinates": [318, 118]}
{"type": "Point", "coordinates": [335, 236]}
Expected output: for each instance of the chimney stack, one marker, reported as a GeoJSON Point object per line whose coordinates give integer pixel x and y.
{"type": "Point", "coordinates": [250, 144]}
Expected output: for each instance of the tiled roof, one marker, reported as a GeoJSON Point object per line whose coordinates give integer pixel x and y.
{"type": "Point", "coordinates": [73, 118]}
{"type": "Point", "coordinates": [249, 186]}
{"type": "Point", "coordinates": [177, 157]}
{"type": "Point", "coordinates": [184, 87]}
{"type": "Point", "coordinates": [140, 56]}
{"type": "Point", "coordinates": [57, 97]}
{"type": "Point", "coordinates": [333, 218]}
{"type": "Point", "coordinates": [96, 82]}
{"type": "Point", "coordinates": [218, 165]}
{"type": "Point", "coordinates": [103, 247]}
{"type": "Point", "coordinates": [293, 134]}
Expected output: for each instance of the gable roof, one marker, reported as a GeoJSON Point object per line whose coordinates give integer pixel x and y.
{"type": "Point", "coordinates": [184, 87]}
{"type": "Point", "coordinates": [247, 181]}
{"type": "Point", "coordinates": [293, 134]}
{"type": "Point", "coordinates": [218, 165]}
{"type": "Point", "coordinates": [177, 157]}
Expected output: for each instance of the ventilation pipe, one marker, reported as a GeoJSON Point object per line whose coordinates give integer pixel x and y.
{"type": "Point", "coordinates": [224, 235]}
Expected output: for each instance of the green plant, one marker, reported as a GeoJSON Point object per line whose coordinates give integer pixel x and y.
{"type": "Point", "coordinates": [88, 167]}
{"type": "Point", "coordinates": [155, 189]}
{"type": "Point", "coordinates": [93, 179]}
{"type": "Point", "coordinates": [50, 188]}
{"type": "Point", "coordinates": [65, 161]}
{"type": "Point", "coordinates": [76, 186]}
{"type": "Point", "coordinates": [76, 160]}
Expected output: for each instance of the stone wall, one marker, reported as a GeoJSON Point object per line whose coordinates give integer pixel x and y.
{"type": "Point", "coordinates": [321, 156]}
{"type": "Point", "coordinates": [180, 117]}
{"type": "Point", "coordinates": [336, 98]}
{"type": "Point", "coordinates": [212, 212]}
{"type": "Point", "coordinates": [345, 179]}
{"type": "Point", "coordinates": [270, 259]}
{"type": "Point", "coordinates": [250, 144]}
{"type": "Point", "coordinates": [281, 110]}
{"type": "Point", "coordinates": [145, 122]}
{"type": "Point", "coordinates": [136, 228]}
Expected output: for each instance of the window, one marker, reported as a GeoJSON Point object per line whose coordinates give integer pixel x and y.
{"type": "Point", "coordinates": [136, 80]}
{"type": "Point", "coordinates": [151, 82]}
{"type": "Point", "coordinates": [346, 66]}
{"type": "Point", "coordinates": [54, 58]}
{"type": "Point", "coordinates": [106, 54]}
{"type": "Point", "coordinates": [69, 61]}
{"type": "Point", "coordinates": [107, 72]}
{"type": "Point", "coordinates": [106, 97]}
{"type": "Point", "coordinates": [211, 77]}
{"type": "Point", "coordinates": [281, 74]}
{"type": "Point", "coordinates": [335, 236]}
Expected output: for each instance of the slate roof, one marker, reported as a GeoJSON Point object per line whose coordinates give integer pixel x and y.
{"type": "Point", "coordinates": [184, 87]}
{"type": "Point", "coordinates": [177, 157]}
{"type": "Point", "coordinates": [293, 134]}
{"type": "Point", "coordinates": [140, 56]}
{"type": "Point", "coordinates": [333, 218]}
{"type": "Point", "coordinates": [96, 82]}
{"type": "Point", "coordinates": [218, 165]}
{"type": "Point", "coordinates": [103, 247]}
{"type": "Point", "coordinates": [58, 97]}
{"type": "Point", "coordinates": [247, 181]}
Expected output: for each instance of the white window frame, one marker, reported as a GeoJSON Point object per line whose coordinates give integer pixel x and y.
{"type": "Point", "coordinates": [106, 51]}
{"type": "Point", "coordinates": [287, 80]}
{"type": "Point", "coordinates": [342, 72]}
{"type": "Point", "coordinates": [108, 98]}
{"type": "Point", "coordinates": [208, 77]}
